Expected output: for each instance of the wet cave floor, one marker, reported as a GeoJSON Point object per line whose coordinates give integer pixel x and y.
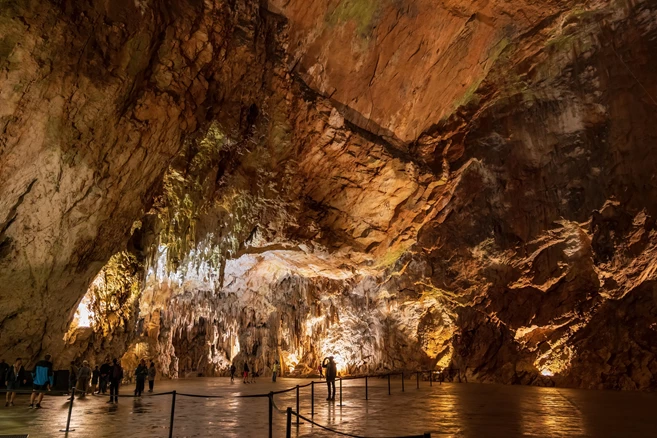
{"type": "Point", "coordinates": [450, 409]}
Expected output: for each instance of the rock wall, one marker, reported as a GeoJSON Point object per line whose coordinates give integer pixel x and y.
{"type": "Point", "coordinates": [401, 184]}
{"type": "Point", "coordinates": [98, 98]}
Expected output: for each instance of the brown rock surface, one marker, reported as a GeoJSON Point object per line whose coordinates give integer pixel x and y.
{"type": "Point", "coordinates": [400, 183]}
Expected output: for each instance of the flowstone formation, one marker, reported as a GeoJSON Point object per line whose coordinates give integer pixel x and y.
{"type": "Point", "coordinates": [401, 184]}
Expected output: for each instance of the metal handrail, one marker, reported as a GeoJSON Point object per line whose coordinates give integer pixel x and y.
{"type": "Point", "coordinates": [269, 395]}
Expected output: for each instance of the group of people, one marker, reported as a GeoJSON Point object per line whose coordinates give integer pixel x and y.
{"type": "Point", "coordinates": [249, 376]}
{"type": "Point", "coordinates": [82, 379]}
{"type": "Point", "coordinates": [109, 375]}
{"type": "Point", "coordinates": [13, 376]}
{"type": "Point", "coordinates": [328, 363]}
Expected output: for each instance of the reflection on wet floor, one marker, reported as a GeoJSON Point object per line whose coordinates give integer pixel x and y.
{"type": "Point", "coordinates": [459, 410]}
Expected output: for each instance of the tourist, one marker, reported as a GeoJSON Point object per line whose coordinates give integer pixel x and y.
{"type": "Point", "coordinates": [4, 369]}
{"type": "Point", "coordinates": [321, 372]}
{"type": "Point", "coordinates": [104, 376]}
{"type": "Point", "coordinates": [72, 378]}
{"type": "Point", "coordinates": [95, 377]}
{"type": "Point", "coordinates": [233, 370]}
{"type": "Point", "coordinates": [151, 377]}
{"type": "Point", "coordinates": [140, 377]}
{"type": "Point", "coordinates": [331, 373]}
{"type": "Point", "coordinates": [245, 374]}
{"type": "Point", "coordinates": [42, 380]}
{"type": "Point", "coordinates": [254, 374]}
{"type": "Point", "coordinates": [13, 378]}
{"type": "Point", "coordinates": [115, 375]}
{"type": "Point", "coordinates": [274, 371]}
{"type": "Point", "coordinates": [84, 375]}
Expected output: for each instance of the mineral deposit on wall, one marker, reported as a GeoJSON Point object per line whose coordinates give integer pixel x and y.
{"type": "Point", "coordinates": [400, 184]}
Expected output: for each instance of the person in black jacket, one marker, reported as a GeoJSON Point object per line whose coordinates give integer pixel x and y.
{"type": "Point", "coordinates": [331, 374]}
{"type": "Point", "coordinates": [140, 376]}
{"type": "Point", "coordinates": [233, 369]}
{"type": "Point", "coordinates": [14, 377]}
{"type": "Point", "coordinates": [4, 369]}
{"type": "Point", "coordinates": [104, 376]}
{"type": "Point", "coordinates": [115, 377]}
{"type": "Point", "coordinates": [95, 378]}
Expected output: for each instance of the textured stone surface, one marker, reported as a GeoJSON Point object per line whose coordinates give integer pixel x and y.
{"type": "Point", "coordinates": [399, 183]}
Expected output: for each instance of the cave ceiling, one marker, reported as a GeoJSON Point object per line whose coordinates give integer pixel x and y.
{"type": "Point", "coordinates": [400, 183]}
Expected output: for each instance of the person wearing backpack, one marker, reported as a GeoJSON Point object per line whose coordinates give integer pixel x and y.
{"type": "Point", "coordinates": [116, 375]}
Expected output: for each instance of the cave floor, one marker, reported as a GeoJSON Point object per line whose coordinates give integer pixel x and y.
{"type": "Point", "coordinates": [451, 409]}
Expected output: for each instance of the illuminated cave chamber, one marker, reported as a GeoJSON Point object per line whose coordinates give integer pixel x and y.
{"type": "Point", "coordinates": [464, 185]}
{"type": "Point", "coordinates": [291, 306]}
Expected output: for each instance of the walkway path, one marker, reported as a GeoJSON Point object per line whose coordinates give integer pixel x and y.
{"type": "Point", "coordinates": [459, 410]}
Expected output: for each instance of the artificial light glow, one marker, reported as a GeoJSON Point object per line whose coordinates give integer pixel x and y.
{"type": "Point", "coordinates": [83, 315]}
{"type": "Point", "coordinates": [340, 363]}
{"type": "Point", "coordinates": [556, 360]}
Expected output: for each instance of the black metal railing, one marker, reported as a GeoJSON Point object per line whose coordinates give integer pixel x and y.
{"type": "Point", "coordinates": [270, 396]}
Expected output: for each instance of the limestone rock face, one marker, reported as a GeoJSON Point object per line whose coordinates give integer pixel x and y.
{"type": "Point", "coordinates": [97, 100]}
{"type": "Point", "coordinates": [401, 184]}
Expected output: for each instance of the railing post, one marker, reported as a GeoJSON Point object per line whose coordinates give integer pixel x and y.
{"type": "Point", "coordinates": [312, 398]}
{"type": "Point", "coordinates": [173, 412]}
{"type": "Point", "coordinates": [340, 391]}
{"type": "Point", "coordinates": [297, 404]}
{"type": "Point", "coordinates": [431, 378]}
{"type": "Point", "coordinates": [366, 388]}
{"type": "Point", "coordinates": [271, 414]}
{"type": "Point", "coordinates": [402, 374]}
{"type": "Point", "coordinates": [427, 434]}
{"type": "Point", "coordinates": [288, 426]}
{"type": "Point", "coordinates": [388, 384]}
{"type": "Point", "coordinates": [70, 411]}
{"type": "Point", "coordinates": [417, 374]}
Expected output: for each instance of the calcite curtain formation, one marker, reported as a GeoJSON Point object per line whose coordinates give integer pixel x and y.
{"type": "Point", "coordinates": [401, 184]}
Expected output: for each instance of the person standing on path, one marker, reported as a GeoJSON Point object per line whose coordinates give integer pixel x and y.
{"type": "Point", "coordinates": [331, 374]}
{"type": "Point", "coordinates": [233, 370]}
{"type": "Point", "coordinates": [151, 377]}
{"type": "Point", "coordinates": [42, 381]}
{"type": "Point", "coordinates": [115, 376]}
{"type": "Point", "coordinates": [140, 377]}
{"type": "Point", "coordinates": [274, 371]}
{"type": "Point", "coordinates": [104, 376]}
{"type": "Point", "coordinates": [95, 377]}
{"type": "Point", "coordinates": [245, 374]}
{"type": "Point", "coordinates": [72, 377]}
{"type": "Point", "coordinates": [13, 378]}
{"type": "Point", "coordinates": [84, 375]}
{"type": "Point", "coordinates": [321, 371]}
